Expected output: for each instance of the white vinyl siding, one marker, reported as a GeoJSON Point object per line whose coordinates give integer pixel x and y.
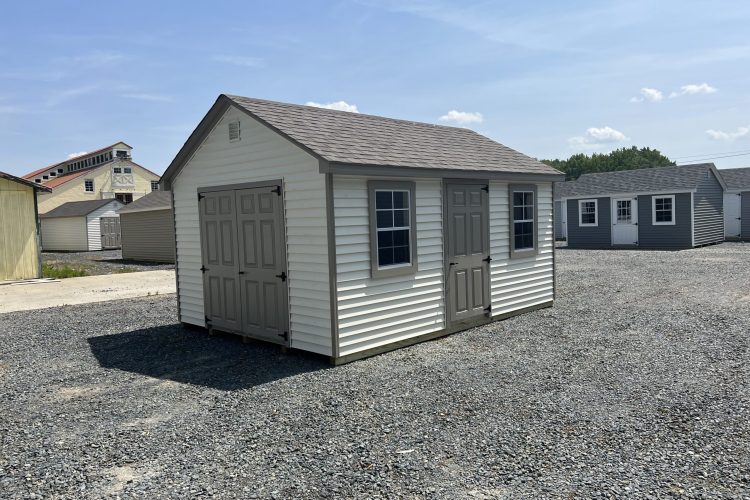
{"type": "Point", "coordinates": [94, 224]}
{"type": "Point", "coordinates": [261, 155]}
{"type": "Point", "coordinates": [379, 311]}
{"type": "Point", "coordinates": [525, 281]}
{"type": "Point", "coordinates": [64, 233]}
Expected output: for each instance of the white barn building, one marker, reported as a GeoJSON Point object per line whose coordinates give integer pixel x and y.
{"type": "Point", "coordinates": [347, 234]}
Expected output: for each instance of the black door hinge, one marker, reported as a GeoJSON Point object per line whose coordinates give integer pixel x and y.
{"type": "Point", "coordinates": [277, 190]}
{"type": "Point", "coordinates": [204, 269]}
{"type": "Point", "coordinates": [208, 320]}
{"type": "Point", "coordinates": [282, 276]}
{"type": "Point", "coordinates": [284, 335]}
{"type": "Point", "coordinates": [486, 188]}
{"type": "Point", "coordinates": [241, 272]}
{"type": "Point", "coordinates": [487, 260]}
{"type": "Point", "coordinates": [201, 196]}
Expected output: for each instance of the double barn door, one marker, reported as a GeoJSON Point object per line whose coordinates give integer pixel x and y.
{"type": "Point", "coordinates": [244, 262]}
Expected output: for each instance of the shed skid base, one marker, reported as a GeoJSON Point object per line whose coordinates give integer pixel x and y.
{"type": "Point", "coordinates": [458, 327]}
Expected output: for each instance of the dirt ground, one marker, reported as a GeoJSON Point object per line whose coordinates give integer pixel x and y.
{"type": "Point", "coordinates": [101, 262]}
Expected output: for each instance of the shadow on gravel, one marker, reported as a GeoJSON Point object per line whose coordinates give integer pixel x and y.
{"type": "Point", "coordinates": [223, 362]}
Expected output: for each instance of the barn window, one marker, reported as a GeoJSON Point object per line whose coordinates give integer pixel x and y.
{"type": "Point", "coordinates": [523, 233]}
{"type": "Point", "coordinates": [88, 185]}
{"type": "Point", "coordinates": [59, 170]}
{"type": "Point", "coordinates": [121, 153]}
{"type": "Point", "coordinates": [588, 213]}
{"type": "Point", "coordinates": [234, 131]}
{"type": "Point", "coordinates": [392, 228]}
{"type": "Point", "coordinates": [127, 170]}
{"type": "Point", "coordinates": [662, 209]}
{"type": "Point", "coordinates": [117, 170]}
{"type": "Point", "coordinates": [154, 185]}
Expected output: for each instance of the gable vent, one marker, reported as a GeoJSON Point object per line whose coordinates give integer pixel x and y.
{"type": "Point", "coordinates": [234, 131]}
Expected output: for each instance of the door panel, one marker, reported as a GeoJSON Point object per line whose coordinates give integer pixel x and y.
{"type": "Point", "coordinates": [110, 232]}
{"type": "Point", "coordinates": [467, 249]}
{"type": "Point", "coordinates": [624, 221]}
{"type": "Point", "coordinates": [732, 221]}
{"type": "Point", "coordinates": [219, 258]}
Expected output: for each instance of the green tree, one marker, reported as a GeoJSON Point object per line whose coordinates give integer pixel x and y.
{"type": "Point", "coordinates": [620, 159]}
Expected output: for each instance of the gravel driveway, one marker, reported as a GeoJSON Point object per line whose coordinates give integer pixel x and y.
{"type": "Point", "coordinates": [101, 262]}
{"type": "Point", "coordinates": [634, 384]}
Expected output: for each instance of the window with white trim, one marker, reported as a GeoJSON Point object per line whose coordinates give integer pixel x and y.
{"type": "Point", "coordinates": [588, 213]}
{"type": "Point", "coordinates": [154, 185]}
{"type": "Point", "coordinates": [88, 185]}
{"type": "Point", "coordinates": [662, 210]}
{"type": "Point", "coordinates": [117, 170]}
{"type": "Point", "coordinates": [392, 228]}
{"type": "Point", "coordinates": [523, 220]}
{"type": "Point", "coordinates": [127, 170]}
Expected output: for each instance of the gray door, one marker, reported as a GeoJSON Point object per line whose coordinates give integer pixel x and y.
{"type": "Point", "coordinates": [467, 250]}
{"type": "Point", "coordinates": [110, 230]}
{"type": "Point", "coordinates": [221, 287]}
{"type": "Point", "coordinates": [244, 262]}
{"type": "Point", "coordinates": [262, 264]}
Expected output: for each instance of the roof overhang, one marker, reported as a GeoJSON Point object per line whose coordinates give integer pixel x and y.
{"type": "Point", "coordinates": [400, 171]}
{"type": "Point", "coordinates": [31, 184]}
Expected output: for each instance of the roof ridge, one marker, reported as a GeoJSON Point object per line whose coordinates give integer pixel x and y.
{"type": "Point", "coordinates": [40, 170]}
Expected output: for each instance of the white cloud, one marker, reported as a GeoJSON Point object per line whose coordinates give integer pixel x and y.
{"type": "Point", "coordinates": [693, 89]}
{"type": "Point", "coordinates": [596, 138]}
{"type": "Point", "coordinates": [249, 62]}
{"type": "Point", "coordinates": [720, 135]}
{"type": "Point", "coordinates": [97, 58]}
{"type": "Point", "coordinates": [76, 155]}
{"type": "Point", "coordinates": [68, 94]}
{"type": "Point", "coordinates": [648, 94]}
{"type": "Point", "coordinates": [338, 105]}
{"type": "Point", "coordinates": [462, 117]}
{"type": "Point", "coordinates": [148, 97]}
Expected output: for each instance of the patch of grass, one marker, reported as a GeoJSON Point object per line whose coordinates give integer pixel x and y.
{"type": "Point", "coordinates": [123, 270]}
{"type": "Point", "coordinates": [56, 272]}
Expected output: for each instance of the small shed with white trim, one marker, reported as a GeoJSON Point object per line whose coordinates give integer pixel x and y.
{"type": "Point", "coordinates": [660, 208]}
{"type": "Point", "coordinates": [80, 226]}
{"type": "Point", "coordinates": [736, 203]}
{"type": "Point", "coordinates": [347, 234]}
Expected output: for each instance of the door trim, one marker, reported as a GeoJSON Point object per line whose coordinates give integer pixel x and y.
{"type": "Point", "coordinates": [633, 217]}
{"type": "Point", "coordinates": [450, 321]}
{"type": "Point", "coordinates": [244, 185]}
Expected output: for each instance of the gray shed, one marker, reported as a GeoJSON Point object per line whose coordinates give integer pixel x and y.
{"type": "Point", "coordinates": [661, 208]}
{"type": "Point", "coordinates": [736, 203]}
{"type": "Point", "coordinates": [147, 227]}
{"type": "Point", "coordinates": [81, 226]}
{"type": "Point", "coordinates": [347, 234]}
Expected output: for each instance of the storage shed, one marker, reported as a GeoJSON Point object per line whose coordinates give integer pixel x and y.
{"type": "Point", "coordinates": [347, 234]}
{"type": "Point", "coordinates": [20, 256]}
{"type": "Point", "coordinates": [147, 228]}
{"type": "Point", "coordinates": [79, 226]}
{"type": "Point", "coordinates": [659, 208]}
{"type": "Point", "coordinates": [736, 203]}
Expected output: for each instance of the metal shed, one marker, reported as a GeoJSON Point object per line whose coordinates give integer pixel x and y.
{"type": "Point", "coordinates": [147, 228]}
{"type": "Point", "coordinates": [20, 256]}
{"type": "Point", "coordinates": [80, 226]}
{"type": "Point", "coordinates": [736, 203]}
{"type": "Point", "coordinates": [660, 208]}
{"type": "Point", "coordinates": [347, 234]}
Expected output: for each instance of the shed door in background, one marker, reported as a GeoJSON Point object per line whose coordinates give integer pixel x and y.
{"type": "Point", "coordinates": [262, 264]}
{"type": "Point", "coordinates": [624, 221]}
{"type": "Point", "coordinates": [467, 233]}
{"type": "Point", "coordinates": [221, 288]}
{"type": "Point", "coordinates": [732, 221]}
{"type": "Point", "coordinates": [110, 229]}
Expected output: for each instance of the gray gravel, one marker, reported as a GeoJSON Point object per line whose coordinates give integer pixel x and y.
{"type": "Point", "coordinates": [635, 384]}
{"type": "Point", "coordinates": [100, 262]}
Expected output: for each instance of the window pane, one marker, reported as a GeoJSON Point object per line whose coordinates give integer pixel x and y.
{"type": "Point", "coordinates": [385, 239]}
{"type": "Point", "coordinates": [517, 198]}
{"type": "Point", "coordinates": [517, 213]}
{"type": "Point", "coordinates": [400, 218]}
{"type": "Point", "coordinates": [400, 199]}
{"type": "Point", "coordinates": [528, 213]}
{"type": "Point", "coordinates": [385, 257]}
{"type": "Point", "coordinates": [401, 255]}
{"type": "Point", "coordinates": [528, 198]}
{"type": "Point", "coordinates": [385, 218]}
{"type": "Point", "coordinates": [400, 238]}
{"type": "Point", "coordinates": [383, 199]}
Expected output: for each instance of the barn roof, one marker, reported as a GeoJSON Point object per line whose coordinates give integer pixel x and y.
{"type": "Point", "coordinates": [77, 208]}
{"type": "Point", "coordinates": [736, 178]}
{"type": "Point", "coordinates": [156, 200]}
{"type": "Point", "coordinates": [25, 182]}
{"type": "Point", "coordinates": [659, 179]}
{"type": "Point", "coordinates": [360, 140]}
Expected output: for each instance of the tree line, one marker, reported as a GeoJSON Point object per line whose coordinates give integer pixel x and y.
{"type": "Point", "coordinates": [620, 159]}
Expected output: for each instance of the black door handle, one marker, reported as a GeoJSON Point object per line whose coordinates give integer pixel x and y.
{"type": "Point", "coordinates": [453, 263]}
{"type": "Point", "coordinates": [282, 276]}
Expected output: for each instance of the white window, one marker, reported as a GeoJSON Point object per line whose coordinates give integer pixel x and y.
{"type": "Point", "coordinates": [662, 210]}
{"type": "Point", "coordinates": [121, 154]}
{"type": "Point", "coordinates": [88, 185]}
{"type": "Point", "coordinates": [154, 185]}
{"type": "Point", "coordinates": [588, 213]}
{"type": "Point", "coordinates": [523, 220]}
{"type": "Point", "coordinates": [117, 170]}
{"type": "Point", "coordinates": [392, 228]}
{"type": "Point", "coordinates": [53, 174]}
{"type": "Point", "coordinates": [234, 131]}
{"type": "Point", "coordinates": [59, 170]}
{"type": "Point", "coordinates": [127, 170]}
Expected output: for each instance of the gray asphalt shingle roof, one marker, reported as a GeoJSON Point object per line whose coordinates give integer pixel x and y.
{"type": "Point", "coordinates": [736, 178]}
{"type": "Point", "coordinates": [683, 177]}
{"type": "Point", "coordinates": [360, 139]}
{"type": "Point", "coordinates": [77, 208]}
{"type": "Point", "coordinates": [156, 200]}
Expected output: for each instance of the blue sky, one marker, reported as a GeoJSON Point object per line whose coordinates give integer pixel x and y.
{"type": "Point", "coordinates": [547, 78]}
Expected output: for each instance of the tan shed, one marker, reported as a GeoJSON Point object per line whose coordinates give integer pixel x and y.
{"type": "Point", "coordinates": [20, 256]}
{"type": "Point", "coordinates": [147, 227]}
